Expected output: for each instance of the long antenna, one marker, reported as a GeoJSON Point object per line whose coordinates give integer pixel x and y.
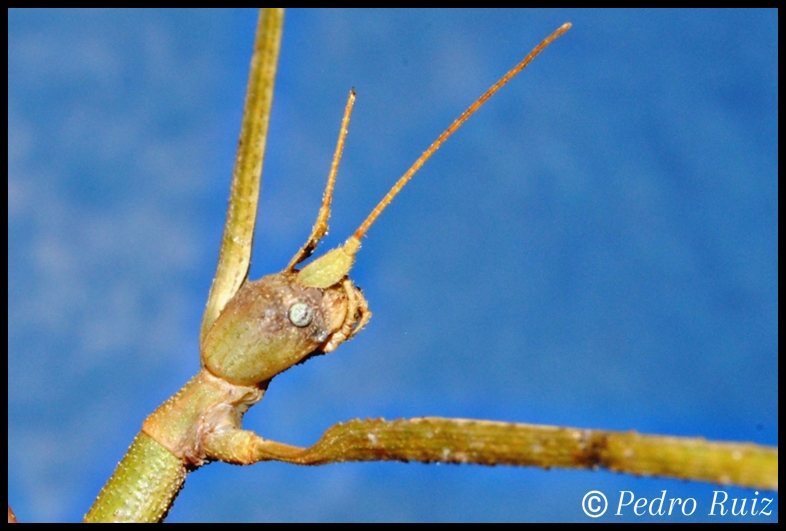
{"type": "Point", "coordinates": [449, 131]}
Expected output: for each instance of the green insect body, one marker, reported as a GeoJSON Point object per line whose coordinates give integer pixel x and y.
{"type": "Point", "coordinates": [253, 331]}
{"type": "Point", "coordinates": [256, 337]}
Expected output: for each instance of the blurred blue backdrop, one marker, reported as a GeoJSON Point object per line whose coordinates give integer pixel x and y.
{"type": "Point", "coordinates": [597, 247]}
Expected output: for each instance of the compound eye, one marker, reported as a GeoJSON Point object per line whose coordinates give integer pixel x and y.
{"type": "Point", "coordinates": [301, 314]}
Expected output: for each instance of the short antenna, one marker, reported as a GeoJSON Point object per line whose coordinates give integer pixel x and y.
{"type": "Point", "coordinates": [321, 225]}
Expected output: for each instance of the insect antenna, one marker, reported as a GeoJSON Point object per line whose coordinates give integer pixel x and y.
{"type": "Point", "coordinates": [330, 268]}
{"type": "Point", "coordinates": [449, 131]}
{"type": "Point", "coordinates": [321, 224]}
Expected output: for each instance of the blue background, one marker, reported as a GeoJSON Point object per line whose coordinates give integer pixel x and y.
{"type": "Point", "coordinates": [597, 247]}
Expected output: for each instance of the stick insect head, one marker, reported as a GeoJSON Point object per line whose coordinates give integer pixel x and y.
{"type": "Point", "coordinates": [275, 322]}
{"type": "Point", "coordinates": [279, 320]}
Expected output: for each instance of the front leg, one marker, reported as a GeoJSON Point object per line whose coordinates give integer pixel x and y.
{"type": "Point", "coordinates": [244, 447]}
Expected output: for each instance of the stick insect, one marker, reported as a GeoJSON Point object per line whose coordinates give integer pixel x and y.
{"type": "Point", "coordinates": [431, 368]}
